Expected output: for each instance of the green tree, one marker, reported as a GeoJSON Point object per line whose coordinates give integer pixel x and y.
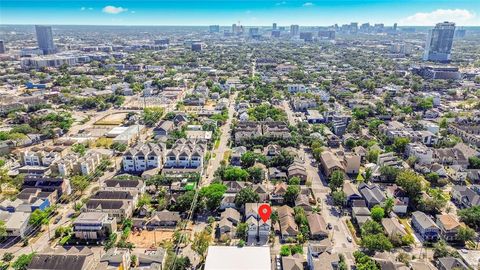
{"type": "Point", "coordinates": [201, 241]}
{"type": "Point", "coordinates": [153, 115]}
{"type": "Point", "coordinates": [400, 144]}
{"type": "Point", "coordinates": [364, 262]}
{"type": "Point", "coordinates": [3, 230]}
{"type": "Point", "coordinates": [235, 174]}
{"type": "Point", "coordinates": [79, 183]}
{"type": "Point", "coordinates": [474, 162]}
{"type": "Point", "coordinates": [339, 198]}
{"type": "Point", "coordinates": [371, 227]}
{"type": "Point", "coordinates": [256, 174]}
{"type": "Point", "coordinates": [291, 194]}
{"type": "Point", "coordinates": [471, 216]}
{"type": "Point", "coordinates": [466, 234]}
{"type": "Point", "coordinates": [22, 261]}
{"type": "Point", "coordinates": [294, 181]}
{"type": "Point", "coordinates": [389, 173]}
{"type": "Point", "coordinates": [248, 159]}
{"type": "Point", "coordinates": [8, 257]}
{"type": "Point", "coordinates": [376, 242]}
{"type": "Point", "coordinates": [246, 195]}
{"type": "Point", "coordinates": [411, 182]}
{"type": "Point", "coordinates": [145, 199]}
{"type": "Point", "coordinates": [184, 201]}
{"type": "Point", "coordinates": [212, 194]}
{"type": "Point", "coordinates": [337, 179]}
{"type": "Point", "coordinates": [377, 213]}
{"type": "Point", "coordinates": [408, 240]}
{"type": "Point", "coordinates": [242, 230]}
{"type": "Point", "coordinates": [372, 155]}
{"type": "Point", "coordinates": [388, 205]}
{"type": "Point", "coordinates": [285, 251]}
{"type": "Point", "coordinates": [79, 148]}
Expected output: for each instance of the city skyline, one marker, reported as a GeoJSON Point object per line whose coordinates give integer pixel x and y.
{"type": "Point", "coordinates": [249, 13]}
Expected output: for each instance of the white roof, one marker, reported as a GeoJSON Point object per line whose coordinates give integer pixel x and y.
{"type": "Point", "coordinates": [235, 258]}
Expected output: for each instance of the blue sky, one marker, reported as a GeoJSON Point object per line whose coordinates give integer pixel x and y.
{"type": "Point", "coordinates": [248, 12]}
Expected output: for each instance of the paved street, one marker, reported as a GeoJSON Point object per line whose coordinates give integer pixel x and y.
{"type": "Point", "coordinates": [217, 154]}
{"type": "Point", "coordinates": [340, 232]}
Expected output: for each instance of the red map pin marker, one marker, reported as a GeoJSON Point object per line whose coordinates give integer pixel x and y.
{"type": "Point", "coordinates": [264, 211]}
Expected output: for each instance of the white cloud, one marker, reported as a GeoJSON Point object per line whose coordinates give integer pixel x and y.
{"type": "Point", "coordinates": [133, 11]}
{"type": "Point", "coordinates": [281, 3]}
{"type": "Point", "coordinates": [458, 16]}
{"type": "Point", "coordinates": [307, 4]}
{"type": "Point", "coordinates": [114, 10]}
{"type": "Point", "coordinates": [83, 8]}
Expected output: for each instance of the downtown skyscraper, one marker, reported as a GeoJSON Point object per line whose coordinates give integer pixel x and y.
{"type": "Point", "coordinates": [45, 39]}
{"type": "Point", "coordinates": [439, 42]}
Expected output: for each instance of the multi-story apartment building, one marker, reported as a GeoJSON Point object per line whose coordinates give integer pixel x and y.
{"type": "Point", "coordinates": [143, 157]}
{"type": "Point", "coordinates": [186, 154]}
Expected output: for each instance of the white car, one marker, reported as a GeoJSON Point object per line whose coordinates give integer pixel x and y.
{"type": "Point", "coordinates": [349, 239]}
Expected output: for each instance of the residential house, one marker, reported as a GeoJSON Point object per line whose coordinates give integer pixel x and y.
{"type": "Point", "coordinates": [115, 258]}
{"type": "Point", "coordinates": [337, 160]}
{"type": "Point", "coordinates": [163, 218]}
{"type": "Point", "coordinates": [303, 201]}
{"type": "Point", "coordinates": [135, 185]}
{"type": "Point", "coordinates": [229, 220]}
{"type": "Point", "coordinates": [94, 226]}
{"type": "Point", "coordinates": [258, 231]}
{"type": "Point", "coordinates": [361, 215]}
{"type": "Point", "coordinates": [293, 262]}
{"type": "Point", "coordinates": [275, 174]}
{"type": "Point", "coordinates": [449, 227]}
{"type": "Point", "coordinates": [351, 192]}
{"type": "Point", "coordinates": [388, 159]}
{"type": "Point", "coordinates": [288, 227]}
{"type": "Point", "coordinates": [48, 184]}
{"type": "Point", "coordinates": [393, 228]}
{"type": "Point", "coordinates": [451, 263]}
{"type": "Point", "coordinates": [302, 103]}
{"type": "Point", "coordinates": [372, 194]}
{"type": "Point", "coordinates": [318, 226]}
{"type": "Point", "coordinates": [247, 130]}
{"type": "Point", "coordinates": [320, 256]}
{"type": "Point", "coordinates": [119, 209]}
{"type": "Point", "coordinates": [422, 153]}
{"type": "Point", "coordinates": [153, 259]}
{"type": "Point", "coordinates": [237, 152]}
{"type": "Point", "coordinates": [164, 128]}
{"type": "Point", "coordinates": [276, 130]}
{"type": "Point", "coordinates": [16, 224]}
{"type": "Point", "coordinates": [296, 88]}
{"type": "Point", "coordinates": [61, 258]}
{"type": "Point", "coordinates": [276, 197]}
{"type": "Point", "coordinates": [425, 226]}
{"type": "Point", "coordinates": [297, 169]}
{"type": "Point", "coordinates": [466, 197]}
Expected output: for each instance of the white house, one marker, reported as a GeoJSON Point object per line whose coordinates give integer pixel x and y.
{"type": "Point", "coordinates": [144, 157]}
{"type": "Point", "coordinates": [423, 153]}
{"type": "Point", "coordinates": [296, 88]}
{"type": "Point", "coordinates": [186, 154]}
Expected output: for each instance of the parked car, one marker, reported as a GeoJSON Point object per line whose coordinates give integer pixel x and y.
{"type": "Point", "coordinates": [57, 219]}
{"type": "Point", "coordinates": [349, 239]}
